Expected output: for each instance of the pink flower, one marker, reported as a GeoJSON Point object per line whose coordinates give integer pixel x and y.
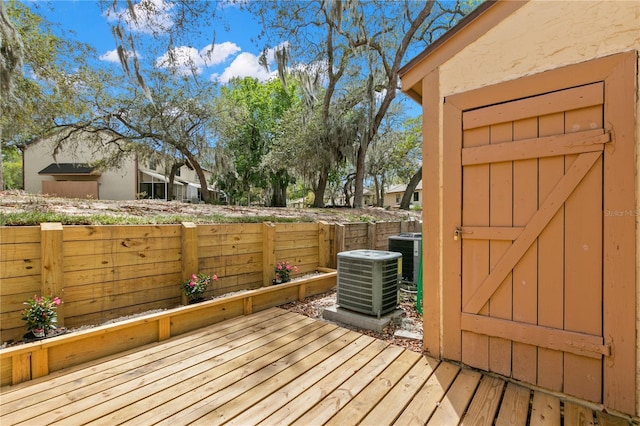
{"type": "Point", "coordinates": [215, 277]}
{"type": "Point", "coordinates": [289, 267]}
{"type": "Point", "coordinates": [191, 283]}
{"type": "Point", "coordinates": [194, 277]}
{"type": "Point", "coordinates": [56, 301]}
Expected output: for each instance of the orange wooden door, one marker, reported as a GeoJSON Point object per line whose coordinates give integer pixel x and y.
{"type": "Point", "coordinates": [532, 238]}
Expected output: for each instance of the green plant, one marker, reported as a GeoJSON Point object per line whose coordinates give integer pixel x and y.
{"type": "Point", "coordinates": [283, 270]}
{"type": "Point", "coordinates": [195, 286]}
{"type": "Point", "coordinates": [40, 313]}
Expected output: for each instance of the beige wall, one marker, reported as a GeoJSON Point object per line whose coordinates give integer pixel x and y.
{"type": "Point", "coordinates": [390, 199]}
{"type": "Point", "coordinates": [544, 35]}
{"type": "Point", "coordinates": [114, 184]}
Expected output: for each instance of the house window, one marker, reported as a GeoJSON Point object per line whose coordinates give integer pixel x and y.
{"type": "Point", "coordinates": [155, 190]}
{"type": "Point", "coordinates": [416, 196]}
{"type": "Point", "coordinates": [397, 198]}
{"type": "Point", "coordinates": [159, 191]}
{"type": "Point", "coordinates": [178, 171]}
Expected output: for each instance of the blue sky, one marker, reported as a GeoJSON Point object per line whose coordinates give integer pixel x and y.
{"type": "Point", "coordinates": [234, 53]}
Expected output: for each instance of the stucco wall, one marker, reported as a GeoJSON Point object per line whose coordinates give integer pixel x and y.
{"type": "Point", "coordinates": [114, 184]}
{"type": "Point", "coordinates": [544, 35]}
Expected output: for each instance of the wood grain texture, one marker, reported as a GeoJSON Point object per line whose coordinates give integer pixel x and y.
{"type": "Point", "coordinates": [277, 367]}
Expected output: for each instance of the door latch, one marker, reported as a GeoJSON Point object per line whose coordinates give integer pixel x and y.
{"type": "Point", "coordinates": [458, 233]}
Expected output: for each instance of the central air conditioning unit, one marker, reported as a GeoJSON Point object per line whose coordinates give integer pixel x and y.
{"type": "Point", "coordinates": [408, 244]}
{"type": "Point", "coordinates": [368, 281]}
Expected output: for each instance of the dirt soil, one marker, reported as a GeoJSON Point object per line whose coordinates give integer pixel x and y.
{"type": "Point", "coordinates": [22, 202]}
{"type": "Point", "coordinates": [405, 332]}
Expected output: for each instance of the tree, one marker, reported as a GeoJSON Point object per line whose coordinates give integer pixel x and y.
{"type": "Point", "coordinates": [312, 144]}
{"type": "Point", "coordinates": [174, 125]}
{"type": "Point", "coordinates": [365, 42]}
{"type": "Point", "coordinates": [40, 76]}
{"type": "Point", "coordinates": [405, 203]}
{"type": "Point", "coordinates": [11, 56]}
{"type": "Point", "coordinates": [407, 156]}
{"type": "Point", "coordinates": [150, 109]}
{"type": "Point", "coordinates": [249, 115]}
{"type": "Point", "coordinates": [395, 152]}
{"type": "Point", "coordinates": [12, 168]}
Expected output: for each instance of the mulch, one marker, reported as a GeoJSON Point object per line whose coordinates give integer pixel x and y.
{"type": "Point", "coordinates": [411, 320]}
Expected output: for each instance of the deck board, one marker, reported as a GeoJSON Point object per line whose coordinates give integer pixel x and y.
{"type": "Point", "coordinates": [276, 367]}
{"type": "Point", "coordinates": [577, 415]}
{"type": "Point", "coordinates": [394, 403]}
{"type": "Point", "coordinates": [158, 386]}
{"type": "Point", "coordinates": [364, 402]}
{"type": "Point", "coordinates": [453, 406]}
{"type": "Point", "coordinates": [545, 410]}
{"type": "Point", "coordinates": [485, 403]}
{"type": "Point", "coordinates": [293, 409]}
{"type": "Point", "coordinates": [514, 409]}
{"type": "Point", "coordinates": [339, 398]}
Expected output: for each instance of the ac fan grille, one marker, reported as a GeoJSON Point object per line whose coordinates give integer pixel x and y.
{"type": "Point", "coordinates": [368, 286]}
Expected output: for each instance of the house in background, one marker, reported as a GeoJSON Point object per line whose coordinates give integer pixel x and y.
{"type": "Point", "coordinates": [394, 193]}
{"type": "Point", "coordinates": [72, 174]}
{"type": "Point", "coordinates": [531, 175]}
{"type": "Point", "coordinates": [154, 181]}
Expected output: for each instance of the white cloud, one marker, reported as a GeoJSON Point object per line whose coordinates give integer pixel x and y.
{"type": "Point", "coordinates": [218, 53]}
{"type": "Point", "coordinates": [112, 56]}
{"type": "Point", "coordinates": [184, 59]}
{"type": "Point", "coordinates": [151, 17]}
{"type": "Point", "coordinates": [248, 65]}
{"type": "Point", "coordinates": [244, 65]}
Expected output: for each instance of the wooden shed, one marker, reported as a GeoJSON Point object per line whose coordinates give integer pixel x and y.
{"type": "Point", "coordinates": [531, 189]}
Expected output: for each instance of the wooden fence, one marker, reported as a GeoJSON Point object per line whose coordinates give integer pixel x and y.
{"type": "Point", "coordinates": [107, 272]}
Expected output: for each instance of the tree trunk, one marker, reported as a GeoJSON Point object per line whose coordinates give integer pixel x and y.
{"type": "Point", "coordinates": [1, 169]}
{"type": "Point", "coordinates": [383, 182]}
{"type": "Point", "coordinates": [318, 192]}
{"type": "Point", "coordinates": [279, 195]}
{"type": "Point", "coordinates": [411, 187]}
{"type": "Point", "coordinates": [204, 186]}
{"type": "Point", "coordinates": [359, 180]}
{"type": "Point", "coordinates": [172, 176]}
{"type": "Point", "coordinates": [279, 181]}
{"type": "Point", "coordinates": [377, 189]}
{"type": "Point", "coordinates": [347, 190]}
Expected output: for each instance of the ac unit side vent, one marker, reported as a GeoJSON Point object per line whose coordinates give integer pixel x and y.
{"type": "Point", "coordinates": [408, 245]}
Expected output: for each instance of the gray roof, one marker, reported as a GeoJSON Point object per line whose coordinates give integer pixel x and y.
{"type": "Point", "coordinates": [67, 169]}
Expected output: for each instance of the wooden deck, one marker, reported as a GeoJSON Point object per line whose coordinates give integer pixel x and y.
{"type": "Point", "coordinates": [274, 368]}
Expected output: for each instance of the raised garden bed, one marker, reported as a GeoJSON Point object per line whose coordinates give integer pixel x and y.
{"type": "Point", "coordinates": [31, 360]}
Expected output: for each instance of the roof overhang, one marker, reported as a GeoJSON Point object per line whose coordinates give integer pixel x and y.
{"type": "Point", "coordinates": [469, 29]}
{"type": "Point", "coordinates": [159, 177]}
{"type": "Point", "coordinates": [197, 185]}
{"type": "Point", "coordinates": [69, 169]}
